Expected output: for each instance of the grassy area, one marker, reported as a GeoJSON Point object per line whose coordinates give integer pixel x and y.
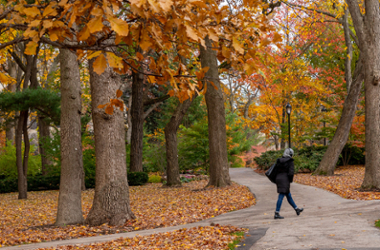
{"type": "Point", "coordinates": [239, 236]}
{"type": "Point", "coordinates": [377, 223]}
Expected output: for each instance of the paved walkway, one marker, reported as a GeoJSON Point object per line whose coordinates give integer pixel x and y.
{"type": "Point", "coordinates": [328, 221]}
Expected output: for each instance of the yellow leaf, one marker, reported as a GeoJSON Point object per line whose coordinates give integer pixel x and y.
{"type": "Point", "coordinates": [4, 78]}
{"type": "Point", "coordinates": [47, 24]}
{"type": "Point", "coordinates": [95, 24]}
{"type": "Point", "coordinates": [152, 79]}
{"type": "Point", "coordinates": [84, 34]}
{"type": "Point", "coordinates": [54, 34]}
{"type": "Point", "coordinates": [31, 48]}
{"type": "Point", "coordinates": [191, 33]}
{"type": "Point", "coordinates": [237, 46]}
{"type": "Point", "coordinates": [95, 54]}
{"type": "Point", "coordinates": [119, 26]}
{"type": "Point", "coordinates": [32, 12]}
{"type": "Point", "coordinates": [49, 11]}
{"type": "Point", "coordinates": [166, 5]}
{"type": "Point", "coordinates": [100, 64]}
{"type": "Point", "coordinates": [138, 3]}
{"type": "Point", "coordinates": [114, 61]}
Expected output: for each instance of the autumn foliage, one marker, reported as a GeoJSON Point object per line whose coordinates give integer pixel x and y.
{"type": "Point", "coordinates": [30, 221]}
{"type": "Point", "coordinates": [346, 183]}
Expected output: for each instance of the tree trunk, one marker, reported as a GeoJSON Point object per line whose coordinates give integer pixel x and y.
{"type": "Point", "coordinates": [129, 121]}
{"type": "Point", "coordinates": [283, 140]}
{"type": "Point", "coordinates": [172, 169]}
{"type": "Point", "coordinates": [10, 128]}
{"type": "Point", "coordinates": [111, 202]}
{"type": "Point", "coordinates": [367, 29]}
{"type": "Point", "coordinates": [69, 200]}
{"type": "Point", "coordinates": [137, 113]}
{"type": "Point", "coordinates": [44, 130]}
{"type": "Point", "coordinates": [347, 61]}
{"type": "Point", "coordinates": [219, 168]}
{"type": "Point", "coordinates": [331, 157]}
{"type": "Point", "coordinates": [22, 178]}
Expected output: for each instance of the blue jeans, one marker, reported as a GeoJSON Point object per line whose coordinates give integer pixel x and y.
{"type": "Point", "coordinates": [281, 197]}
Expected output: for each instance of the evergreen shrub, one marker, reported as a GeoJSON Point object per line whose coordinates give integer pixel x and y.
{"type": "Point", "coordinates": [308, 158]}
{"type": "Point", "coordinates": [137, 178]}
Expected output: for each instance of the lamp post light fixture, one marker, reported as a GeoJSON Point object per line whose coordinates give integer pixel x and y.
{"type": "Point", "coordinates": [288, 111]}
{"type": "Point", "coordinates": [324, 125]}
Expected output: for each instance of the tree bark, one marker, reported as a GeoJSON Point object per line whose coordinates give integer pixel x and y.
{"type": "Point", "coordinates": [347, 62]}
{"type": "Point", "coordinates": [111, 202]}
{"type": "Point", "coordinates": [69, 200]}
{"type": "Point", "coordinates": [137, 113]}
{"type": "Point", "coordinates": [10, 128]}
{"type": "Point", "coordinates": [22, 177]}
{"type": "Point", "coordinates": [129, 120]}
{"type": "Point", "coordinates": [367, 29]}
{"type": "Point", "coordinates": [172, 169]}
{"type": "Point", "coordinates": [219, 168]}
{"type": "Point", "coordinates": [331, 157]}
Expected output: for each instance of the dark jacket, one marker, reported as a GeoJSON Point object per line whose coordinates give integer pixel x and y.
{"type": "Point", "coordinates": [285, 174]}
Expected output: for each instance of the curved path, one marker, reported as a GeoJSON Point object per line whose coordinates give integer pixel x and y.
{"type": "Point", "coordinates": [328, 221]}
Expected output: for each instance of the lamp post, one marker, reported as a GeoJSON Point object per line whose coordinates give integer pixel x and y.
{"type": "Point", "coordinates": [324, 124]}
{"type": "Point", "coordinates": [288, 111]}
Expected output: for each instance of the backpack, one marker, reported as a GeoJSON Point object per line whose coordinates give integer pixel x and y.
{"type": "Point", "coordinates": [271, 173]}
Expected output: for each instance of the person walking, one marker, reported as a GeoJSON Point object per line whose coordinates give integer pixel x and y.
{"type": "Point", "coordinates": [285, 174]}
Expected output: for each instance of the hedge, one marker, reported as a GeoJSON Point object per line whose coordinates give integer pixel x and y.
{"type": "Point", "coordinates": [38, 183]}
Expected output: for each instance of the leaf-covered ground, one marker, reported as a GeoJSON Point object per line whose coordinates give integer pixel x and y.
{"type": "Point", "coordinates": [28, 221]}
{"type": "Point", "coordinates": [346, 182]}
{"type": "Point", "coordinates": [212, 237]}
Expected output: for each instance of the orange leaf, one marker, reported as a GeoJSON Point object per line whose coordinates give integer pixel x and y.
{"type": "Point", "coordinates": [95, 24]}
{"type": "Point", "coordinates": [121, 27]}
{"type": "Point", "coordinates": [109, 110]}
{"type": "Point", "coordinates": [31, 48]}
{"type": "Point", "coordinates": [119, 93]}
{"type": "Point", "coordinates": [100, 64]}
{"type": "Point", "coordinates": [32, 12]}
{"type": "Point", "coordinates": [102, 106]}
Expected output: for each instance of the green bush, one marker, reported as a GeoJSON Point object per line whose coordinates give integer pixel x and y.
{"type": "Point", "coordinates": [351, 155]}
{"type": "Point", "coordinates": [154, 179]}
{"type": "Point", "coordinates": [35, 183]}
{"type": "Point", "coordinates": [8, 167]}
{"type": "Point", "coordinates": [268, 158]}
{"type": "Point", "coordinates": [307, 158]}
{"type": "Point", "coordinates": [137, 178]}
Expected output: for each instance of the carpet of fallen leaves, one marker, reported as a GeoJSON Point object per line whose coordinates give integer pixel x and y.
{"type": "Point", "coordinates": [31, 220]}
{"type": "Point", "coordinates": [345, 182]}
{"type": "Point", "coordinates": [211, 237]}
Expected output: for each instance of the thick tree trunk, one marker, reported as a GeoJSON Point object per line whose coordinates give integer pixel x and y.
{"type": "Point", "coordinates": [44, 130]}
{"type": "Point", "coordinates": [331, 157]}
{"type": "Point", "coordinates": [219, 167]}
{"type": "Point", "coordinates": [172, 169]}
{"type": "Point", "coordinates": [69, 201]}
{"type": "Point", "coordinates": [22, 177]}
{"type": "Point", "coordinates": [137, 113]}
{"type": "Point", "coordinates": [367, 29]}
{"type": "Point", "coordinates": [111, 202]}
